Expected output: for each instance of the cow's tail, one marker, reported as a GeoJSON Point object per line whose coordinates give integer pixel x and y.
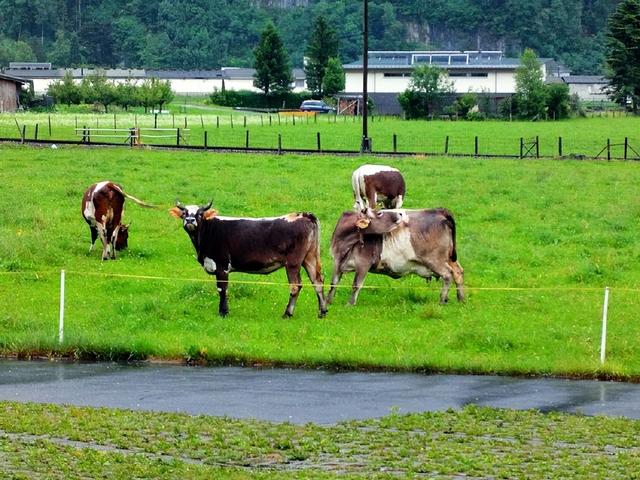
{"type": "Point", "coordinates": [315, 232]}
{"type": "Point", "coordinates": [135, 200]}
{"type": "Point", "coordinates": [453, 256]}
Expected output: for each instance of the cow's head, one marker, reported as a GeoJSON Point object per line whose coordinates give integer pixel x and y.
{"type": "Point", "coordinates": [377, 222]}
{"type": "Point", "coordinates": [192, 215]}
{"type": "Point", "coordinates": [123, 237]}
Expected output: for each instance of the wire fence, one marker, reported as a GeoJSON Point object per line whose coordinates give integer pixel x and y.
{"type": "Point", "coordinates": [283, 133]}
{"type": "Point", "coordinates": [51, 274]}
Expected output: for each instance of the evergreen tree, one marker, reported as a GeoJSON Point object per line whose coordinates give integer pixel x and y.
{"type": "Point", "coordinates": [623, 53]}
{"type": "Point", "coordinates": [273, 73]}
{"type": "Point", "coordinates": [530, 96]}
{"type": "Point", "coordinates": [322, 46]}
{"type": "Point", "coordinates": [333, 81]}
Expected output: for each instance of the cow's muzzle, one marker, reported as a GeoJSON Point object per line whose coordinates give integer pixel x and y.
{"type": "Point", "coordinates": [190, 224]}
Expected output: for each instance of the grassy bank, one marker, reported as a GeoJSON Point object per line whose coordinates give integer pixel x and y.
{"type": "Point", "coordinates": [39, 441]}
{"type": "Point", "coordinates": [585, 136]}
{"type": "Point", "coordinates": [539, 240]}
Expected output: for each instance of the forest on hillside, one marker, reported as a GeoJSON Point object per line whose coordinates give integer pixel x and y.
{"type": "Point", "coordinates": [208, 34]}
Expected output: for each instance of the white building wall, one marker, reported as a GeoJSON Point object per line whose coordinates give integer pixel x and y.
{"type": "Point", "coordinates": [192, 86]}
{"type": "Point", "coordinates": [494, 82]}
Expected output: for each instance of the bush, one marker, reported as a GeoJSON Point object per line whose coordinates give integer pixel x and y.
{"type": "Point", "coordinates": [249, 99]}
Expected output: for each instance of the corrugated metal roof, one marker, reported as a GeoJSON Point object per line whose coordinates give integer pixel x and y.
{"type": "Point", "coordinates": [591, 79]}
{"type": "Point", "coordinates": [11, 78]}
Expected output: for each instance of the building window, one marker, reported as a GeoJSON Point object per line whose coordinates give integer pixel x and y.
{"type": "Point", "coordinates": [396, 74]}
{"type": "Point", "coordinates": [480, 74]}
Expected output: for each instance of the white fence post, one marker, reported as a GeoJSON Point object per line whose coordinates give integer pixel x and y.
{"type": "Point", "coordinates": [603, 342]}
{"type": "Point", "coordinates": [61, 323]}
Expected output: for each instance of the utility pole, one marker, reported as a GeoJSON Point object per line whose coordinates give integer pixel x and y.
{"type": "Point", "coordinates": [366, 141]}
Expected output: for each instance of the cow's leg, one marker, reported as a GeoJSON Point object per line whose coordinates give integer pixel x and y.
{"type": "Point", "coordinates": [397, 202]}
{"type": "Point", "coordinates": [458, 278]}
{"type": "Point", "coordinates": [314, 271]}
{"type": "Point", "coordinates": [94, 237]}
{"type": "Point", "coordinates": [358, 280]}
{"type": "Point", "coordinates": [335, 280]}
{"type": "Point", "coordinates": [105, 242]}
{"type": "Point", "coordinates": [372, 200]}
{"type": "Point", "coordinates": [112, 241]}
{"type": "Point", "coordinates": [222, 282]}
{"type": "Point", "coordinates": [295, 285]}
{"type": "Point", "coordinates": [446, 273]}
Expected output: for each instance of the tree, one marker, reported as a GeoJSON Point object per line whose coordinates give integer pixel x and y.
{"type": "Point", "coordinates": [623, 53]}
{"type": "Point", "coordinates": [127, 94]}
{"type": "Point", "coordinates": [427, 90]}
{"type": "Point", "coordinates": [333, 81]}
{"type": "Point", "coordinates": [65, 90]}
{"type": "Point", "coordinates": [273, 73]}
{"type": "Point", "coordinates": [154, 92]}
{"type": "Point", "coordinates": [530, 96]}
{"type": "Point", "coordinates": [96, 89]}
{"type": "Point", "coordinates": [15, 51]}
{"type": "Point", "coordinates": [322, 46]}
{"type": "Point", "coordinates": [558, 100]}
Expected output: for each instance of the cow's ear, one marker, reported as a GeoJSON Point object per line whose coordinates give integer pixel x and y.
{"type": "Point", "coordinates": [362, 223]}
{"type": "Point", "coordinates": [209, 214]}
{"type": "Point", "coordinates": [175, 212]}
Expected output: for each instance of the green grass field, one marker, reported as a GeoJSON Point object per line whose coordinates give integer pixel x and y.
{"type": "Point", "coordinates": [59, 442]}
{"type": "Point", "coordinates": [539, 241]}
{"type": "Point", "coordinates": [227, 128]}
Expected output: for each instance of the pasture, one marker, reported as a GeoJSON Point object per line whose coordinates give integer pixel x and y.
{"type": "Point", "coordinates": [539, 240]}
{"type": "Point", "coordinates": [42, 441]}
{"type": "Point", "coordinates": [228, 128]}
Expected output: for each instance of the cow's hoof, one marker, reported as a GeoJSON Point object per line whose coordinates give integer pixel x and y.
{"type": "Point", "coordinates": [444, 301]}
{"type": "Point", "coordinates": [223, 314]}
{"type": "Point", "coordinates": [322, 314]}
{"type": "Point", "coordinates": [286, 315]}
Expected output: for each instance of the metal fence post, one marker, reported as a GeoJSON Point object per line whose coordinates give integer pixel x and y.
{"type": "Point", "coordinates": [521, 146]}
{"type": "Point", "coordinates": [560, 146]}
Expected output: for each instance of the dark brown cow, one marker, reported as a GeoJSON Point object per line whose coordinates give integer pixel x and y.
{"type": "Point", "coordinates": [102, 209]}
{"type": "Point", "coordinates": [372, 181]}
{"type": "Point", "coordinates": [396, 243]}
{"type": "Point", "coordinates": [255, 245]}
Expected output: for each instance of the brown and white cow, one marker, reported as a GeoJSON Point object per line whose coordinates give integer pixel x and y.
{"type": "Point", "coordinates": [102, 209]}
{"type": "Point", "coordinates": [255, 245]}
{"type": "Point", "coordinates": [372, 181]}
{"type": "Point", "coordinates": [396, 243]}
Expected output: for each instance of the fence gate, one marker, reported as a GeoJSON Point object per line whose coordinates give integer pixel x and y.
{"type": "Point", "coordinates": [530, 147]}
{"type": "Point", "coordinates": [625, 146]}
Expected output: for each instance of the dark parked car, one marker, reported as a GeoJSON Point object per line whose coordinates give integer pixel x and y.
{"type": "Point", "coordinates": [316, 106]}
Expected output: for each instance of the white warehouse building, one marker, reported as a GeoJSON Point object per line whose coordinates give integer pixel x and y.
{"type": "Point", "coordinates": [488, 72]}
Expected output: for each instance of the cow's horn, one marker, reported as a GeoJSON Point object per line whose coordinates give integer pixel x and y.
{"type": "Point", "coordinates": [179, 204]}
{"type": "Point", "coordinates": [207, 207]}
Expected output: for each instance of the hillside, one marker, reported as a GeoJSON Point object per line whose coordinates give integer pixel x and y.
{"type": "Point", "coordinates": [205, 34]}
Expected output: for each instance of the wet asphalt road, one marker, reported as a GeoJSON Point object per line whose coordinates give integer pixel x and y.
{"type": "Point", "coordinates": [300, 396]}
